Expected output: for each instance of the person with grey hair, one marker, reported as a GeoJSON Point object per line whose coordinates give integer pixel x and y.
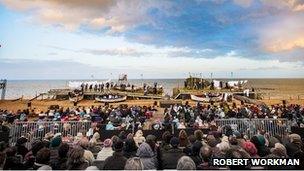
{"type": "Point", "coordinates": [185, 163]}
{"type": "Point", "coordinates": [134, 163]}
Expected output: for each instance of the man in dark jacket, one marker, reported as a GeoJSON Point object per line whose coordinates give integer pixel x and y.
{"type": "Point", "coordinates": [117, 161]}
{"type": "Point", "coordinates": [171, 156]}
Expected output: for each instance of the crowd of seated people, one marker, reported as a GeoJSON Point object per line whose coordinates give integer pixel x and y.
{"type": "Point", "coordinates": [136, 152]}
{"type": "Point", "coordinates": [121, 117]}
{"type": "Point", "coordinates": [202, 116]}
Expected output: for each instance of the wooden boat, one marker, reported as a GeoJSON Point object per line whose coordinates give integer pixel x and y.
{"type": "Point", "coordinates": [207, 98]}
{"type": "Point", "coordinates": [111, 98]}
{"type": "Point", "coordinates": [199, 99]}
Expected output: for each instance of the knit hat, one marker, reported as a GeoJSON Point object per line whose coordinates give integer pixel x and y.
{"type": "Point", "coordinates": [56, 141]}
{"type": "Point", "coordinates": [250, 148]}
{"type": "Point", "coordinates": [107, 143]}
{"type": "Point", "coordinates": [261, 140]}
{"type": "Point", "coordinates": [174, 141]}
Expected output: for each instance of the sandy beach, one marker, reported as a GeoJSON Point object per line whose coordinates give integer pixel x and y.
{"type": "Point", "coordinates": [43, 105]}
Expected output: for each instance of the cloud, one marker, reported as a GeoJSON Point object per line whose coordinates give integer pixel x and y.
{"type": "Point", "coordinates": [285, 34]}
{"type": "Point", "coordinates": [243, 3]}
{"type": "Point", "coordinates": [115, 15]}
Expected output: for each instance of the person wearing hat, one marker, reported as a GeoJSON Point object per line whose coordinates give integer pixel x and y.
{"type": "Point", "coordinates": [117, 161]}
{"type": "Point", "coordinates": [54, 146]}
{"type": "Point", "coordinates": [171, 156]}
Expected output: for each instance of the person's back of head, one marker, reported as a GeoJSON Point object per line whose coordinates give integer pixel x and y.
{"type": "Point", "coordinates": [75, 157]}
{"type": "Point", "coordinates": [205, 153]}
{"type": "Point", "coordinates": [63, 150]}
{"type": "Point", "coordinates": [166, 137]}
{"type": "Point", "coordinates": [134, 163]}
{"type": "Point", "coordinates": [118, 146]}
{"type": "Point", "coordinates": [185, 163]}
{"type": "Point", "coordinates": [198, 135]}
{"type": "Point", "coordinates": [36, 146]}
{"type": "Point", "coordinates": [174, 142]}
{"type": "Point", "coordinates": [43, 156]}
{"type": "Point", "coordinates": [196, 146]}
{"type": "Point", "coordinates": [235, 154]}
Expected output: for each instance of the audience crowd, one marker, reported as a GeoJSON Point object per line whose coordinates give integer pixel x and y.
{"type": "Point", "coordinates": [202, 116]}
{"type": "Point", "coordinates": [137, 152]}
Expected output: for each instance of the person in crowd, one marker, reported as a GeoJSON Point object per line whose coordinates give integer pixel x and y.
{"type": "Point", "coordinates": [54, 146]}
{"type": "Point", "coordinates": [42, 159]}
{"type": "Point", "coordinates": [130, 148]}
{"type": "Point", "coordinates": [61, 164]}
{"type": "Point", "coordinates": [195, 152]}
{"type": "Point", "coordinates": [294, 145]}
{"type": "Point", "coordinates": [206, 156]}
{"type": "Point", "coordinates": [279, 150]}
{"type": "Point", "coordinates": [134, 163]}
{"type": "Point", "coordinates": [94, 144]}
{"type": "Point", "coordinates": [2, 160]}
{"type": "Point", "coordinates": [88, 155]}
{"type": "Point", "coordinates": [165, 145]}
{"type": "Point", "coordinates": [185, 163]}
{"type": "Point", "coordinates": [147, 156]}
{"type": "Point", "coordinates": [13, 161]}
{"type": "Point", "coordinates": [21, 149]}
{"type": "Point", "coordinates": [76, 160]}
{"type": "Point", "coordinates": [117, 161]}
{"type": "Point", "coordinates": [250, 148]}
{"type": "Point", "coordinates": [183, 139]}
{"type": "Point", "coordinates": [139, 138]}
{"type": "Point", "coordinates": [171, 156]}
{"type": "Point", "coordinates": [259, 142]}
{"type": "Point", "coordinates": [30, 157]}
{"type": "Point", "coordinates": [106, 151]}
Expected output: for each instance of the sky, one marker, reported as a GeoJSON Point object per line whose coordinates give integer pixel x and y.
{"type": "Point", "coordinates": [76, 39]}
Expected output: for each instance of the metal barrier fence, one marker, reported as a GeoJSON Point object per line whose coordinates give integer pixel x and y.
{"type": "Point", "coordinates": [251, 127]}
{"type": "Point", "coordinates": [33, 130]}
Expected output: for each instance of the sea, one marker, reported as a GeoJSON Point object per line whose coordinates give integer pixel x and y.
{"type": "Point", "coordinates": [272, 87]}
